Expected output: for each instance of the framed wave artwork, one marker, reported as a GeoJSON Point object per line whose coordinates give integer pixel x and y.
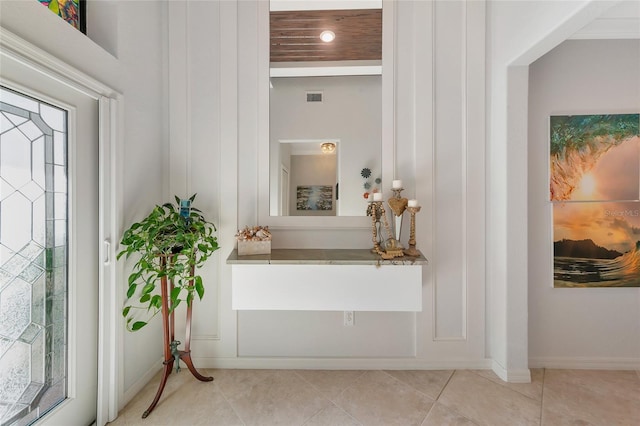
{"type": "Point", "coordinates": [595, 192]}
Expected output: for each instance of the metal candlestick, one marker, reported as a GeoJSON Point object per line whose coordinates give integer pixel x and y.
{"type": "Point", "coordinates": [411, 251]}
{"type": "Point", "coordinates": [398, 205]}
{"type": "Point", "coordinates": [396, 192]}
{"type": "Point", "coordinates": [392, 248]}
{"type": "Point", "coordinates": [374, 210]}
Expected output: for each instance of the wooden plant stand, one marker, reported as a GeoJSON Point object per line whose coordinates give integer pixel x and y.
{"type": "Point", "coordinates": [171, 352]}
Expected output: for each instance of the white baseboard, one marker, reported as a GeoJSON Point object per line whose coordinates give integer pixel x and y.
{"type": "Point", "coordinates": [341, 363]}
{"type": "Point", "coordinates": [580, 363]}
{"type": "Point", "coordinates": [511, 376]}
{"type": "Point", "coordinates": [135, 388]}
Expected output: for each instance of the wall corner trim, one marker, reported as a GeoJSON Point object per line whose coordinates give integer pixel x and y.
{"type": "Point", "coordinates": [511, 376]}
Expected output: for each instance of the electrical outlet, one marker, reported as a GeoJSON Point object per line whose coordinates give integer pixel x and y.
{"type": "Point", "coordinates": [349, 318]}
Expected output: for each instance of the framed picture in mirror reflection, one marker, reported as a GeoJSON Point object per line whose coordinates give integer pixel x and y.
{"type": "Point", "coordinates": [314, 197]}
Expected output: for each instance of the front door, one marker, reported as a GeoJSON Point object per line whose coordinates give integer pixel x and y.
{"type": "Point", "coordinates": [49, 226]}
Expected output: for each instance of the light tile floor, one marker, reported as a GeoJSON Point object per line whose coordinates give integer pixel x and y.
{"type": "Point", "coordinates": [426, 398]}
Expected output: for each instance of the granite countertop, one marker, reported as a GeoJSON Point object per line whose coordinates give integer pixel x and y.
{"type": "Point", "coordinates": [322, 257]}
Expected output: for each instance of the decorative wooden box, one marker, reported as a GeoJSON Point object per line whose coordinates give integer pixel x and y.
{"type": "Point", "coordinates": [253, 247]}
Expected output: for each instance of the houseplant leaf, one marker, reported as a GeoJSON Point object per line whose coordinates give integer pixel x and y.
{"type": "Point", "coordinates": [199, 287]}
{"type": "Point", "coordinates": [168, 246]}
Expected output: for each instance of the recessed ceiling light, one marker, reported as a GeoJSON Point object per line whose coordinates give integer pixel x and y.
{"type": "Point", "coordinates": [327, 36]}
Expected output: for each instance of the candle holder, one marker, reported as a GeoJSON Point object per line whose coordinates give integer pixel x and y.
{"type": "Point", "coordinates": [374, 210]}
{"type": "Point", "coordinates": [392, 247]}
{"type": "Point", "coordinates": [411, 251]}
{"type": "Point", "coordinates": [398, 205]}
{"type": "Point", "coordinates": [397, 192]}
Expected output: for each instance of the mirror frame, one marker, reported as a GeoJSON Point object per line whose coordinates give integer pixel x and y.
{"type": "Point", "coordinates": [387, 149]}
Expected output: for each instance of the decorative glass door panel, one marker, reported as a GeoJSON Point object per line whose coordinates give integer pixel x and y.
{"type": "Point", "coordinates": [33, 257]}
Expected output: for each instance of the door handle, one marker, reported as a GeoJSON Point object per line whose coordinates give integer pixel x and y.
{"type": "Point", "coordinates": [107, 250]}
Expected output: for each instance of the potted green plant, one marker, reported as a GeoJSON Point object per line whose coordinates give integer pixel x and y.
{"type": "Point", "coordinates": [173, 241]}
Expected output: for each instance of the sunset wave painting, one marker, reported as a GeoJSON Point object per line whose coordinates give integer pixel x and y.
{"type": "Point", "coordinates": [595, 157]}
{"type": "Point", "coordinates": [595, 190]}
{"type": "Point", "coordinates": [596, 244]}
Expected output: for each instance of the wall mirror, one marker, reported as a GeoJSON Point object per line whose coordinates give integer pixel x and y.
{"type": "Point", "coordinates": [326, 108]}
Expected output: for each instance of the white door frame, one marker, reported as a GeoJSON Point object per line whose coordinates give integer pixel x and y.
{"type": "Point", "coordinates": [110, 119]}
{"type": "Point", "coordinates": [285, 189]}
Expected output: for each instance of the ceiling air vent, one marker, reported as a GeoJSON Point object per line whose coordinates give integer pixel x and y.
{"type": "Point", "coordinates": [314, 96]}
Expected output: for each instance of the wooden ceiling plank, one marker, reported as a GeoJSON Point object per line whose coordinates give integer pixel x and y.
{"type": "Point", "coordinates": [358, 35]}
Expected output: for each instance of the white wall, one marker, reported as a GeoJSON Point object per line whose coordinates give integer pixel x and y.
{"type": "Point", "coordinates": [445, 124]}
{"type": "Point", "coordinates": [591, 327]}
{"type": "Point", "coordinates": [203, 151]}
{"type": "Point", "coordinates": [518, 34]}
{"type": "Point", "coordinates": [138, 74]}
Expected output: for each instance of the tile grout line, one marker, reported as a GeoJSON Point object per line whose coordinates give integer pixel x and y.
{"type": "Point", "coordinates": [420, 392]}
{"type": "Point", "coordinates": [230, 404]}
{"type": "Point", "coordinates": [445, 385]}
{"type": "Point", "coordinates": [364, 372]}
{"type": "Point", "coordinates": [233, 408]}
{"type": "Point", "coordinates": [319, 391]}
{"type": "Point", "coordinates": [334, 403]}
{"type": "Point", "coordinates": [544, 374]}
{"type": "Point", "coordinates": [503, 384]}
{"type": "Point", "coordinates": [413, 387]}
{"type": "Point", "coordinates": [427, 414]}
{"type": "Point", "coordinates": [446, 406]}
